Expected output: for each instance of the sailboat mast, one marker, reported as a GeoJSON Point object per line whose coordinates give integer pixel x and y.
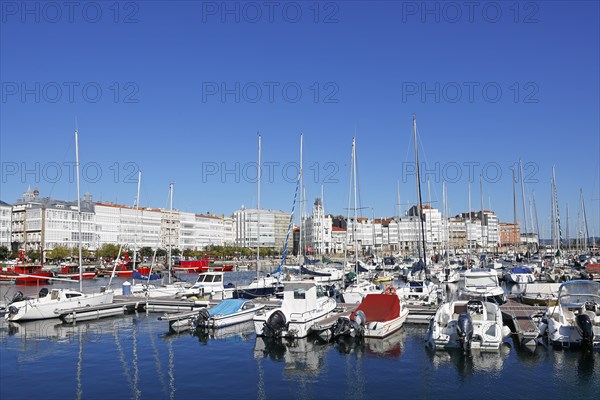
{"type": "Point", "coordinates": [537, 226]}
{"type": "Point", "coordinates": [137, 207]}
{"type": "Point", "coordinates": [516, 234]}
{"type": "Point", "coordinates": [400, 236]}
{"type": "Point", "coordinates": [322, 222]}
{"type": "Point", "coordinates": [483, 238]}
{"type": "Point", "coordinates": [524, 205]}
{"type": "Point", "coordinates": [346, 240]}
{"type": "Point", "coordinates": [470, 223]}
{"type": "Point", "coordinates": [568, 238]}
{"type": "Point", "coordinates": [78, 209]}
{"type": "Point", "coordinates": [355, 223]}
{"type": "Point", "coordinates": [300, 245]}
{"type": "Point", "coordinates": [585, 226]}
{"type": "Point", "coordinates": [170, 263]}
{"type": "Point", "coordinates": [429, 204]}
{"type": "Point", "coordinates": [445, 210]}
{"type": "Point", "coordinates": [418, 176]}
{"type": "Point", "coordinates": [258, 176]}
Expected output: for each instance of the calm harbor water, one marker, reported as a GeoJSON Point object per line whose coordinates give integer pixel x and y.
{"type": "Point", "coordinates": [135, 357]}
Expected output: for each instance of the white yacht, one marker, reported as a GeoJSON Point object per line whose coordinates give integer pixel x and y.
{"type": "Point", "coordinates": [575, 320]}
{"type": "Point", "coordinates": [482, 283]}
{"type": "Point", "coordinates": [356, 292]}
{"type": "Point", "coordinates": [208, 284]}
{"type": "Point", "coordinates": [467, 324]}
{"type": "Point", "coordinates": [52, 304]}
{"type": "Point", "coordinates": [304, 304]}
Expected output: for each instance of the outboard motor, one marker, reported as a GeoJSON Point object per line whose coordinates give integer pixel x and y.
{"type": "Point", "coordinates": [275, 324]}
{"type": "Point", "coordinates": [43, 292]}
{"type": "Point", "coordinates": [465, 330]}
{"type": "Point", "coordinates": [342, 327]}
{"type": "Point", "coordinates": [585, 329]}
{"type": "Point", "coordinates": [201, 319]}
{"type": "Point", "coordinates": [12, 310]}
{"type": "Point", "coordinates": [17, 297]}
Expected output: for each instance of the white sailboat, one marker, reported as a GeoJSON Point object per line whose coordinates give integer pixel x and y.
{"type": "Point", "coordinates": [261, 286]}
{"type": "Point", "coordinates": [58, 301]}
{"type": "Point", "coordinates": [357, 291]}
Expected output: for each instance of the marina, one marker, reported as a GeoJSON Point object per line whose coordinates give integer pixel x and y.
{"type": "Point", "coordinates": [300, 200]}
{"type": "Point", "coordinates": [142, 360]}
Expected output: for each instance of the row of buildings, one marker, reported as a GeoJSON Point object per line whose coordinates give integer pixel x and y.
{"type": "Point", "coordinates": [35, 223]}
{"type": "Point", "coordinates": [325, 234]}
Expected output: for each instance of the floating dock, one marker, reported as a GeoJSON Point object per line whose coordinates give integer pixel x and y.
{"type": "Point", "coordinates": [342, 310]}
{"type": "Point", "coordinates": [520, 318]}
{"type": "Point", "coordinates": [420, 314]}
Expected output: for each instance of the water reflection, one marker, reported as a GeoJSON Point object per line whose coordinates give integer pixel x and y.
{"type": "Point", "coordinates": [303, 357]}
{"type": "Point", "coordinates": [243, 331]}
{"type": "Point", "coordinates": [470, 363]}
{"type": "Point", "coordinates": [390, 346]}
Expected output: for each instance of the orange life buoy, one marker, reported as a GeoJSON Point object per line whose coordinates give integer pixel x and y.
{"type": "Point", "coordinates": [390, 290]}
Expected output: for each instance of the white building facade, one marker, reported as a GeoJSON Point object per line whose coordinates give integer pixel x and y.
{"type": "Point", "coordinates": [273, 228]}
{"type": "Point", "coordinates": [5, 224]}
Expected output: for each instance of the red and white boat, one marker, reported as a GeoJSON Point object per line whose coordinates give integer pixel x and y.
{"type": "Point", "coordinates": [25, 275]}
{"type": "Point", "coordinates": [71, 271]}
{"type": "Point", "coordinates": [377, 316]}
{"type": "Point", "coordinates": [199, 266]}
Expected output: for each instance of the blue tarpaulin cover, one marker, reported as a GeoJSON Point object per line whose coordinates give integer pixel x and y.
{"type": "Point", "coordinates": [227, 307]}
{"type": "Point", "coordinates": [521, 270]}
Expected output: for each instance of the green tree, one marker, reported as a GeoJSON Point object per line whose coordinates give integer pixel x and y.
{"type": "Point", "coordinates": [146, 252]}
{"type": "Point", "coordinates": [57, 253]}
{"type": "Point", "coordinates": [4, 252]}
{"type": "Point", "coordinates": [33, 255]}
{"type": "Point", "coordinates": [108, 250]}
{"type": "Point", "coordinates": [175, 252]}
{"type": "Point", "coordinates": [161, 253]}
{"type": "Point", "coordinates": [189, 253]}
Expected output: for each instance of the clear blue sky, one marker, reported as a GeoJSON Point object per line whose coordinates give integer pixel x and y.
{"type": "Point", "coordinates": [362, 68]}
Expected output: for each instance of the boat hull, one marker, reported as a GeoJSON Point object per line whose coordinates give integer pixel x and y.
{"type": "Point", "coordinates": [218, 322]}
{"type": "Point", "coordinates": [45, 308]}
{"type": "Point", "coordinates": [384, 328]}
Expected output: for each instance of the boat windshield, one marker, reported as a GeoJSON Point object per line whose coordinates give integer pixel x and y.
{"type": "Point", "coordinates": [482, 280]}
{"type": "Point", "coordinates": [579, 292]}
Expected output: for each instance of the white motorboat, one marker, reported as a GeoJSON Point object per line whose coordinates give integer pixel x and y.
{"type": "Point", "coordinates": [467, 324]}
{"type": "Point", "coordinates": [378, 316]}
{"type": "Point", "coordinates": [520, 275]}
{"type": "Point", "coordinates": [304, 304]}
{"type": "Point", "coordinates": [51, 305]}
{"type": "Point", "coordinates": [356, 292]}
{"type": "Point", "coordinates": [323, 274]}
{"type": "Point", "coordinates": [447, 275]}
{"type": "Point", "coordinates": [482, 283]}
{"type": "Point", "coordinates": [540, 294]}
{"type": "Point", "coordinates": [420, 293]}
{"type": "Point", "coordinates": [262, 286]}
{"type": "Point", "coordinates": [575, 320]}
{"type": "Point", "coordinates": [208, 284]}
{"type": "Point", "coordinates": [227, 312]}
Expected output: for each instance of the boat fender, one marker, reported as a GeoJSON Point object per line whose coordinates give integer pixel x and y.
{"type": "Point", "coordinates": [13, 310]}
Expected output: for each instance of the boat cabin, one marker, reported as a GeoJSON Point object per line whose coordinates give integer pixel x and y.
{"type": "Point", "coordinates": [300, 296]}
